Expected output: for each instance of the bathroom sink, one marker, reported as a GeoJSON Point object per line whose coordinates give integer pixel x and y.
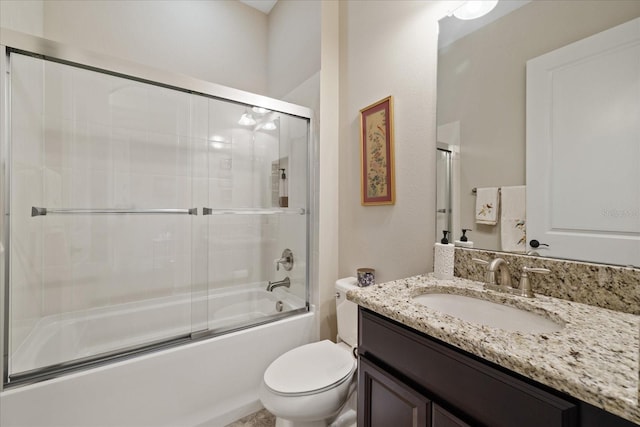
{"type": "Point", "coordinates": [487, 313]}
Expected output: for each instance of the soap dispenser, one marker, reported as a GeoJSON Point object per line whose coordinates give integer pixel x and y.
{"type": "Point", "coordinates": [283, 196]}
{"type": "Point", "coordinates": [443, 258]}
{"type": "Point", "coordinates": [464, 241]}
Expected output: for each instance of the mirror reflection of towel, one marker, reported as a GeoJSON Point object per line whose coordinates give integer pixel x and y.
{"type": "Point", "coordinates": [487, 204]}
{"type": "Point", "coordinates": [513, 219]}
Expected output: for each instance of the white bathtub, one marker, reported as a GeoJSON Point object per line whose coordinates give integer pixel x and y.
{"type": "Point", "coordinates": [70, 336]}
{"type": "Point", "coordinates": [210, 382]}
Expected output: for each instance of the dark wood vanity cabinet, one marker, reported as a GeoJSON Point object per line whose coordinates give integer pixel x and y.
{"type": "Point", "coordinates": [389, 402]}
{"type": "Point", "coordinates": [442, 418]}
{"type": "Point", "coordinates": [409, 379]}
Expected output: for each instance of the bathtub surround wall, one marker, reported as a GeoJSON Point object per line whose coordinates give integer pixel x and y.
{"type": "Point", "coordinates": [600, 285]}
{"type": "Point", "coordinates": [299, 84]}
{"type": "Point", "coordinates": [88, 140]}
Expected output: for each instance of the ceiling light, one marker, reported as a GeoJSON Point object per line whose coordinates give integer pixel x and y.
{"type": "Point", "coordinates": [269, 126]}
{"type": "Point", "coordinates": [473, 9]}
{"type": "Point", "coordinates": [259, 110]}
{"type": "Point", "coordinates": [247, 119]}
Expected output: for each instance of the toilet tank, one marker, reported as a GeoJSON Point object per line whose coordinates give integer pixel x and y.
{"type": "Point", "coordinates": [347, 312]}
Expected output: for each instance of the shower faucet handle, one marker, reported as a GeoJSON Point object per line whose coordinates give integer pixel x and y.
{"type": "Point", "coordinates": [286, 260]}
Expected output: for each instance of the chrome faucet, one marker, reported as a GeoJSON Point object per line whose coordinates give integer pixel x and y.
{"type": "Point", "coordinates": [286, 260]}
{"type": "Point", "coordinates": [497, 265]}
{"type": "Point", "coordinates": [272, 285]}
{"type": "Point", "coordinates": [525, 284]}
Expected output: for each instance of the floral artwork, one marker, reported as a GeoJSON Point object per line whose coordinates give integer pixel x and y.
{"type": "Point", "coordinates": [377, 154]}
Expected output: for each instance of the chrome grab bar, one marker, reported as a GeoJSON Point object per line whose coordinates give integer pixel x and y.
{"type": "Point", "coordinates": [252, 211]}
{"type": "Point", "coordinates": [36, 211]}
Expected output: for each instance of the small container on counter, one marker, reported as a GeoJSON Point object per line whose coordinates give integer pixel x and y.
{"type": "Point", "coordinates": [366, 277]}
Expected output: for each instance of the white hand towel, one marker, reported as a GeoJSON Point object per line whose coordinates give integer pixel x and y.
{"type": "Point", "coordinates": [513, 219]}
{"type": "Point", "coordinates": [487, 204]}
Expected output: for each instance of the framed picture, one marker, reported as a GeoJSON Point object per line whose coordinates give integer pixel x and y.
{"type": "Point", "coordinates": [376, 147]}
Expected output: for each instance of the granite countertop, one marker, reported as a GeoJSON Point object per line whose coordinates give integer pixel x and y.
{"type": "Point", "coordinates": [594, 357]}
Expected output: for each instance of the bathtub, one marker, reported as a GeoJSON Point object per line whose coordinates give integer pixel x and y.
{"type": "Point", "coordinates": [205, 383]}
{"type": "Point", "coordinates": [79, 335]}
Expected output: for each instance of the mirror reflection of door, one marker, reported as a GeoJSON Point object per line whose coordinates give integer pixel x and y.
{"type": "Point", "coordinates": [481, 87]}
{"type": "Point", "coordinates": [583, 146]}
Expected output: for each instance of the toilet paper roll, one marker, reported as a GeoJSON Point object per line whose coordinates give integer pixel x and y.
{"type": "Point", "coordinates": [443, 261]}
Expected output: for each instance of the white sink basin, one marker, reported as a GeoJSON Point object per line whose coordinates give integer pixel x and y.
{"type": "Point", "coordinates": [487, 313]}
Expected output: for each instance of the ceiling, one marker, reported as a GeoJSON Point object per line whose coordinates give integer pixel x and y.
{"type": "Point", "coordinates": [263, 6]}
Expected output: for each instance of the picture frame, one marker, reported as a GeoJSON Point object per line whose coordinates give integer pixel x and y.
{"type": "Point", "coordinates": [377, 170]}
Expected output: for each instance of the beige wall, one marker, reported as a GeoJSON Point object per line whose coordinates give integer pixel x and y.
{"type": "Point", "coordinates": [23, 16]}
{"type": "Point", "coordinates": [481, 83]}
{"type": "Point", "coordinates": [326, 234]}
{"type": "Point", "coordinates": [389, 48]}
{"type": "Point", "coordinates": [294, 45]}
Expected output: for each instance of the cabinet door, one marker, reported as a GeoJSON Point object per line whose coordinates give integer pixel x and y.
{"type": "Point", "coordinates": [384, 401]}
{"type": "Point", "coordinates": [443, 418]}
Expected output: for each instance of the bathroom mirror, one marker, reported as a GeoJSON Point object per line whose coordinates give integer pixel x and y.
{"type": "Point", "coordinates": [482, 101]}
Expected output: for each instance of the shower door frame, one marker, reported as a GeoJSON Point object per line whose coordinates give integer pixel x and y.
{"type": "Point", "coordinates": [453, 176]}
{"type": "Point", "coordinates": [15, 42]}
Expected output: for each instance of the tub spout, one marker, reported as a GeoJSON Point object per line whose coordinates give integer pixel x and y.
{"type": "Point", "coordinates": [272, 285]}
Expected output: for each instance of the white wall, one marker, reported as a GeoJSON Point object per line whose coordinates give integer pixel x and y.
{"type": "Point", "coordinates": [294, 45]}
{"type": "Point", "coordinates": [328, 156]}
{"type": "Point", "coordinates": [219, 41]}
{"type": "Point", "coordinates": [226, 42]}
{"type": "Point", "coordinates": [389, 48]}
{"type": "Point", "coordinates": [23, 16]}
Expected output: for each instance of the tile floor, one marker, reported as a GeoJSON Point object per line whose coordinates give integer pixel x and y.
{"type": "Point", "coordinates": [262, 418]}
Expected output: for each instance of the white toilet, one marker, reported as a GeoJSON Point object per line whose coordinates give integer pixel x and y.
{"type": "Point", "coordinates": [309, 385]}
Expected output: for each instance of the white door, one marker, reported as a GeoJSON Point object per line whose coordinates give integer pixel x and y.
{"type": "Point", "coordinates": [583, 148]}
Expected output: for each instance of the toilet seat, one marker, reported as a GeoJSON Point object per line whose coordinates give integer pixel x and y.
{"type": "Point", "coordinates": [310, 369]}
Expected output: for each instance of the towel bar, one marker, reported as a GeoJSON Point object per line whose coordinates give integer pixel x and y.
{"type": "Point", "coordinates": [36, 211]}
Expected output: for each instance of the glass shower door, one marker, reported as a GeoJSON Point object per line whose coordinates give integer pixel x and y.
{"type": "Point", "coordinates": [443, 193]}
{"type": "Point", "coordinates": [101, 212]}
{"type": "Point", "coordinates": [142, 216]}
{"type": "Point", "coordinates": [257, 208]}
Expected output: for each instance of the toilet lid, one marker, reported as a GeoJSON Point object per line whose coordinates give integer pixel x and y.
{"type": "Point", "coordinates": [310, 367]}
